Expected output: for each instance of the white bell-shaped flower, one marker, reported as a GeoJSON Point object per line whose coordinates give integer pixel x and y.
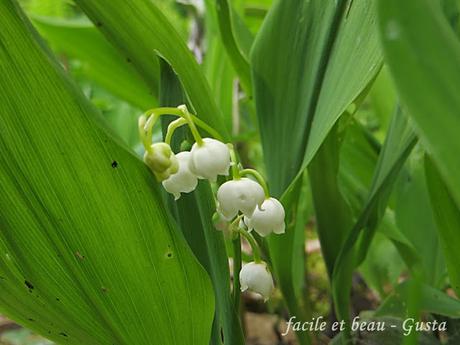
{"type": "Point", "coordinates": [267, 219]}
{"type": "Point", "coordinates": [257, 278]}
{"type": "Point", "coordinates": [239, 195]}
{"type": "Point", "coordinates": [161, 160]}
{"type": "Point", "coordinates": [210, 159]}
{"type": "Point", "coordinates": [184, 181]}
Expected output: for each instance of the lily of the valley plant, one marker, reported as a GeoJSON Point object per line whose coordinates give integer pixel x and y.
{"type": "Point", "coordinates": [245, 204]}
{"type": "Point", "coordinates": [295, 160]}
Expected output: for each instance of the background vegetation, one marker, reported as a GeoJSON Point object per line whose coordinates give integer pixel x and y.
{"type": "Point", "coordinates": [350, 108]}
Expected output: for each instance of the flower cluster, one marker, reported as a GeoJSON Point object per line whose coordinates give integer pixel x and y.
{"type": "Point", "coordinates": [242, 202]}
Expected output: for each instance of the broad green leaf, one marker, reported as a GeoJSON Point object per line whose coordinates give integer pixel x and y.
{"type": "Point", "coordinates": [433, 301]}
{"type": "Point", "coordinates": [358, 159]}
{"type": "Point", "coordinates": [399, 143]}
{"type": "Point", "coordinates": [383, 99]}
{"type": "Point", "coordinates": [285, 266]}
{"type": "Point", "coordinates": [406, 249]}
{"type": "Point", "coordinates": [447, 216]}
{"type": "Point", "coordinates": [226, 27]}
{"type": "Point", "coordinates": [328, 199]}
{"type": "Point", "coordinates": [221, 77]}
{"type": "Point", "coordinates": [141, 31]}
{"type": "Point", "coordinates": [451, 9]}
{"type": "Point", "coordinates": [383, 266]}
{"type": "Point", "coordinates": [415, 219]}
{"type": "Point", "coordinates": [218, 68]}
{"type": "Point", "coordinates": [100, 61]}
{"type": "Point", "coordinates": [303, 84]}
{"type": "Point", "coordinates": [46, 7]}
{"type": "Point", "coordinates": [88, 253]}
{"type": "Point", "coordinates": [254, 13]}
{"type": "Point", "coordinates": [423, 54]}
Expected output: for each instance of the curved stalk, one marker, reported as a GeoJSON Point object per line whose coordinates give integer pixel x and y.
{"type": "Point", "coordinates": [259, 179]}
{"type": "Point", "coordinates": [235, 169]}
{"type": "Point", "coordinates": [172, 128]}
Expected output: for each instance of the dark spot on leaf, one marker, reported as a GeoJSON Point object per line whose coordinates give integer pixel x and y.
{"type": "Point", "coordinates": [104, 289]}
{"type": "Point", "coordinates": [98, 24]}
{"type": "Point", "coordinates": [30, 319]}
{"type": "Point", "coordinates": [63, 334]}
{"type": "Point", "coordinates": [114, 164]}
{"type": "Point", "coordinates": [57, 299]}
{"type": "Point", "coordinates": [169, 255]}
{"type": "Point", "coordinates": [128, 60]}
{"type": "Point", "coordinates": [29, 285]}
{"type": "Point", "coordinates": [79, 255]}
{"type": "Point", "coordinates": [2, 278]}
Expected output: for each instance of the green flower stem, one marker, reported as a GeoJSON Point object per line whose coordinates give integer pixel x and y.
{"type": "Point", "coordinates": [148, 131]}
{"type": "Point", "coordinates": [252, 242]}
{"type": "Point", "coordinates": [203, 125]}
{"type": "Point", "coordinates": [172, 127]}
{"type": "Point", "coordinates": [193, 129]}
{"type": "Point", "coordinates": [234, 226]}
{"type": "Point", "coordinates": [235, 169]}
{"type": "Point", "coordinates": [145, 141]}
{"type": "Point", "coordinates": [259, 179]}
{"type": "Point", "coordinates": [152, 115]}
{"type": "Point", "coordinates": [236, 271]}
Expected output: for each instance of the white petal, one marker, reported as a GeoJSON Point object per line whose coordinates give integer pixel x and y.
{"type": "Point", "coordinates": [257, 278]}
{"type": "Point", "coordinates": [239, 195]}
{"type": "Point", "coordinates": [281, 229]}
{"type": "Point", "coordinates": [269, 219]}
{"type": "Point", "coordinates": [184, 181]}
{"type": "Point", "coordinates": [210, 159]}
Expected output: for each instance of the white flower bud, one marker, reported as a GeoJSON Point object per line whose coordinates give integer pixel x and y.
{"type": "Point", "coordinates": [210, 159]}
{"type": "Point", "coordinates": [257, 278]}
{"type": "Point", "coordinates": [239, 195]}
{"type": "Point", "coordinates": [268, 218]}
{"type": "Point", "coordinates": [183, 181]}
{"type": "Point", "coordinates": [161, 160]}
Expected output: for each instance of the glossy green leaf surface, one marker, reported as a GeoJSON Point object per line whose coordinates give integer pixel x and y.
{"type": "Point", "coordinates": [328, 199]}
{"type": "Point", "coordinates": [141, 32]}
{"type": "Point", "coordinates": [399, 143]}
{"type": "Point", "coordinates": [284, 265]}
{"type": "Point", "coordinates": [422, 50]}
{"type": "Point", "coordinates": [432, 301]}
{"type": "Point", "coordinates": [218, 67]}
{"type": "Point", "coordinates": [447, 217]}
{"type": "Point", "coordinates": [88, 253]}
{"type": "Point", "coordinates": [303, 84]}
{"type": "Point", "coordinates": [224, 12]}
{"type": "Point", "coordinates": [414, 216]}
{"type": "Point", "coordinates": [100, 61]}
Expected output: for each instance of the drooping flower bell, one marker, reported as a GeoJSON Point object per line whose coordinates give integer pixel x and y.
{"type": "Point", "coordinates": [257, 278]}
{"type": "Point", "coordinates": [239, 195]}
{"type": "Point", "coordinates": [183, 181]}
{"type": "Point", "coordinates": [269, 218]}
{"type": "Point", "coordinates": [210, 159]}
{"type": "Point", "coordinates": [161, 160]}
